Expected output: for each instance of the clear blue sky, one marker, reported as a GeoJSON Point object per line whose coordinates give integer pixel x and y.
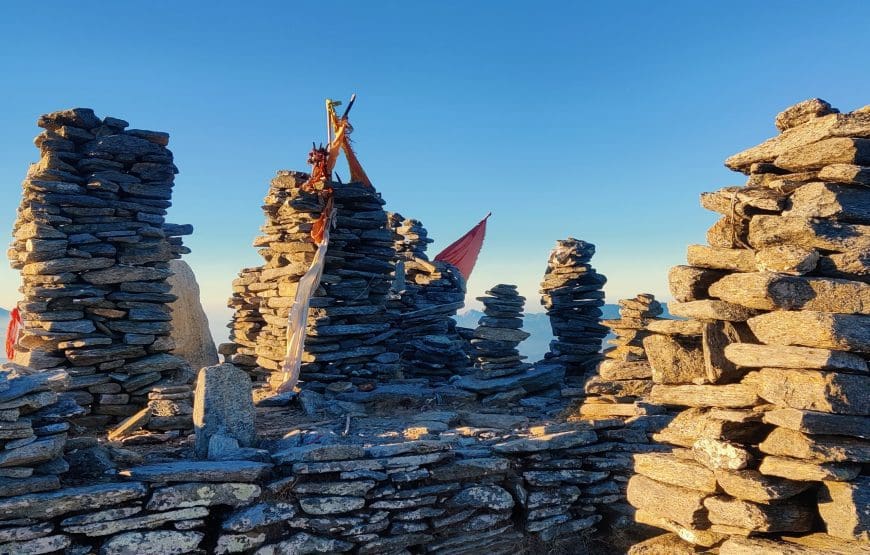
{"type": "Point", "coordinates": [599, 120]}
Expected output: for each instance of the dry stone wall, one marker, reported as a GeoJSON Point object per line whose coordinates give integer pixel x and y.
{"type": "Point", "coordinates": [769, 451]}
{"type": "Point", "coordinates": [93, 248]}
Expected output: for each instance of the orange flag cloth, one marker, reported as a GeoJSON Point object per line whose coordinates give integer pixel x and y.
{"type": "Point", "coordinates": [463, 252]}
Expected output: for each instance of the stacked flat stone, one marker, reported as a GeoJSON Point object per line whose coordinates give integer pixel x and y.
{"type": "Point", "coordinates": [572, 295]}
{"type": "Point", "coordinates": [93, 249]}
{"type": "Point", "coordinates": [771, 448]}
{"type": "Point", "coordinates": [500, 376]}
{"type": "Point", "coordinates": [348, 323]}
{"type": "Point", "coordinates": [33, 429]}
{"type": "Point", "coordinates": [430, 295]}
{"type": "Point", "coordinates": [623, 380]}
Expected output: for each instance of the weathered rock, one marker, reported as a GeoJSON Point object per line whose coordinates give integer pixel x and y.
{"type": "Point", "coordinates": [681, 534]}
{"type": "Point", "coordinates": [668, 469]}
{"type": "Point", "coordinates": [738, 260]}
{"type": "Point", "coordinates": [223, 404]}
{"type": "Point", "coordinates": [45, 544]}
{"type": "Point", "coordinates": [781, 517]}
{"type": "Point", "coordinates": [812, 233]}
{"type": "Point", "coordinates": [846, 332]}
{"type": "Point", "coordinates": [305, 544]}
{"type": "Point", "coordinates": [813, 423]}
{"type": "Point", "coordinates": [813, 544]}
{"type": "Point", "coordinates": [707, 310]}
{"type": "Point", "coordinates": [729, 395]}
{"type": "Point", "coordinates": [665, 544]}
{"type": "Point", "coordinates": [717, 454]}
{"type": "Point", "coordinates": [815, 390]}
{"type": "Point", "coordinates": [328, 505]}
{"type": "Point", "coordinates": [51, 504]}
{"type": "Point", "coordinates": [817, 155]}
{"type": "Point", "coordinates": [788, 443]}
{"type": "Point", "coordinates": [199, 471]}
{"type": "Point", "coordinates": [202, 494]}
{"type": "Point", "coordinates": [483, 497]}
{"type": "Point", "coordinates": [795, 469]}
{"type": "Point", "coordinates": [674, 360]}
{"type": "Point", "coordinates": [255, 516]}
{"type": "Point", "coordinates": [752, 485]}
{"type": "Point", "coordinates": [781, 356]}
{"type": "Point", "coordinates": [190, 331]}
{"type": "Point", "coordinates": [239, 543]}
{"type": "Point", "coordinates": [157, 542]}
{"type": "Point", "coordinates": [680, 505]}
{"type": "Point", "coordinates": [766, 291]}
{"type": "Point", "coordinates": [845, 508]}
{"type": "Point", "coordinates": [803, 112]}
{"type": "Point", "coordinates": [787, 259]}
{"type": "Point", "coordinates": [689, 283]}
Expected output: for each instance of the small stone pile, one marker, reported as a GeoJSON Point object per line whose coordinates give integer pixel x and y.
{"type": "Point", "coordinates": [423, 305]}
{"type": "Point", "coordinates": [623, 381]}
{"type": "Point", "coordinates": [33, 429]}
{"type": "Point", "coordinates": [572, 295]}
{"type": "Point", "coordinates": [348, 323]}
{"type": "Point", "coordinates": [499, 332]}
{"type": "Point", "coordinates": [771, 447]}
{"type": "Point", "coordinates": [93, 249]}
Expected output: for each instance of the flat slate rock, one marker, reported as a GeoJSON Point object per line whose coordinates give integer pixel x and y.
{"type": "Point", "coordinates": [199, 471]}
{"type": "Point", "coordinates": [51, 504]}
{"type": "Point", "coordinates": [539, 377]}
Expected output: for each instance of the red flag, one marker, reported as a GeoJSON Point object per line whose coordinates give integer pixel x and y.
{"type": "Point", "coordinates": [463, 252]}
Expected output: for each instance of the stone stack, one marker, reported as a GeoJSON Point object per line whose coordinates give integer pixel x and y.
{"type": "Point", "coordinates": [624, 377]}
{"type": "Point", "coordinates": [423, 305]}
{"type": "Point", "coordinates": [33, 429]}
{"type": "Point", "coordinates": [348, 323]}
{"type": "Point", "coordinates": [572, 295]}
{"type": "Point", "coordinates": [498, 333]}
{"type": "Point", "coordinates": [775, 424]}
{"type": "Point", "coordinates": [93, 249]}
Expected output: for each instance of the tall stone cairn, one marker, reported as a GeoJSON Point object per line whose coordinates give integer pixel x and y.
{"type": "Point", "coordinates": [624, 378]}
{"type": "Point", "coordinates": [572, 295]}
{"type": "Point", "coordinates": [425, 297]}
{"type": "Point", "coordinates": [348, 323]}
{"type": "Point", "coordinates": [767, 452]}
{"type": "Point", "coordinates": [93, 249]}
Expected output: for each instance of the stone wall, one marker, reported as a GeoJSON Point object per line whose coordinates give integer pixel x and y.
{"type": "Point", "coordinates": [770, 449]}
{"type": "Point", "coordinates": [93, 249]}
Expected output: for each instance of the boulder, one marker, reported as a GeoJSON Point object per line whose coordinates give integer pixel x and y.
{"type": "Point", "coordinates": [193, 340]}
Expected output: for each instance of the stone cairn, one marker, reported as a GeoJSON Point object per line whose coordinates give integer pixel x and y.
{"type": "Point", "coordinates": [768, 450]}
{"type": "Point", "coordinates": [572, 295]}
{"type": "Point", "coordinates": [348, 323]}
{"type": "Point", "coordinates": [33, 429]}
{"type": "Point", "coordinates": [93, 249]}
{"type": "Point", "coordinates": [425, 297]}
{"type": "Point", "coordinates": [498, 333]}
{"type": "Point", "coordinates": [623, 381]}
